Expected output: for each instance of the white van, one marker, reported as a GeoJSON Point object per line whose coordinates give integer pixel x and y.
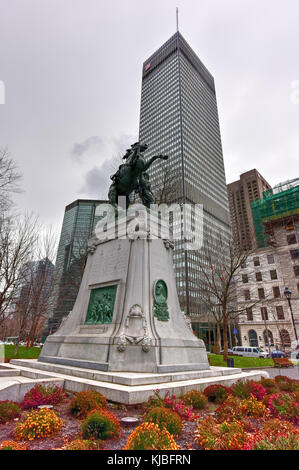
{"type": "Point", "coordinates": [249, 351]}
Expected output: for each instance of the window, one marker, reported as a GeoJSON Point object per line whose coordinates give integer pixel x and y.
{"type": "Point", "coordinates": [256, 261]}
{"type": "Point", "coordinates": [294, 254]}
{"type": "Point", "coordinates": [276, 292]}
{"type": "Point", "coordinates": [279, 312]}
{"type": "Point", "coordinates": [243, 265]}
{"type": "Point", "coordinates": [273, 274]}
{"type": "Point", "coordinates": [268, 338]}
{"type": "Point", "coordinates": [296, 270]}
{"type": "Point", "coordinates": [249, 314]}
{"type": "Point", "coordinates": [261, 293]}
{"type": "Point", "coordinates": [244, 278]}
{"type": "Point", "coordinates": [264, 313]}
{"type": "Point", "coordinates": [252, 338]}
{"type": "Point", "coordinates": [247, 294]}
{"type": "Point", "coordinates": [285, 338]}
{"type": "Point", "coordinates": [291, 239]}
{"type": "Point", "coordinates": [258, 276]}
{"type": "Point", "coordinates": [270, 259]}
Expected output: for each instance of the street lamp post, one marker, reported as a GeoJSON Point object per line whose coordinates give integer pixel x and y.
{"type": "Point", "coordinates": [288, 294]}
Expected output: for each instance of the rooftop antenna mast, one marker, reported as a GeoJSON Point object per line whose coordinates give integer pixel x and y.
{"type": "Point", "coordinates": [177, 19]}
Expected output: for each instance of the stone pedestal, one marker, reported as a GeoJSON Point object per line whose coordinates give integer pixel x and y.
{"type": "Point", "coordinates": [127, 315]}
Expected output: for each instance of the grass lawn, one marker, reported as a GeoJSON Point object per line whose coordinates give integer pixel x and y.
{"type": "Point", "coordinates": [242, 362]}
{"type": "Point", "coordinates": [215, 359]}
{"type": "Point", "coordinates": [23, 352]}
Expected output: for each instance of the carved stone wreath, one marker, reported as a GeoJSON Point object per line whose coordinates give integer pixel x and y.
{"type": "Point", "coordinates": [135, 331]}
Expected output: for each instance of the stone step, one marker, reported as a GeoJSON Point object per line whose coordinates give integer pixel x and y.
{"type": "Point", "coordinates": [126, 378]}
{"type": "Point", "coordinates": [16, 381]}
{"type": "Point", "coordinates": [134, 394]}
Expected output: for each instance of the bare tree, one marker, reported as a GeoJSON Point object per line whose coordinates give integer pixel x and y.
{"type": "Point", "coordinates": [18, 237]}
{"type": "Point", "coordinates": [41, 282]}
{"type": "Point", "coordinates": [166, 185]}
{"type": "Point", "coordinates": [34, 295]}
{"type": "Point", "coordinates": [22, 278]}
{"type": "Point", "coordinates": [219, 265]}
{"type": "Point", "coordinates": [9, 179]}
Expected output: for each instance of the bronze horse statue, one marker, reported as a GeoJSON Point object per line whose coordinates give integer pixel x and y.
{"type": "Point", "coordinates": [132, 176]}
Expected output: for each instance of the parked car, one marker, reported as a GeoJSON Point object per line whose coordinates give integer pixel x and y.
{"type": "Point", "coordinates": [277, 353]}
{"type": "Point", "coordinates": [295, 354]}
{"type": "Point", "coordinates": [229, 351]}
{"type": "Point", "coordinates": [250, 351]}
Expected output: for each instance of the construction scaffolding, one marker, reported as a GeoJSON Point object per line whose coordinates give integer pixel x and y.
{"type": "Point", "coordinates": [281, 202]}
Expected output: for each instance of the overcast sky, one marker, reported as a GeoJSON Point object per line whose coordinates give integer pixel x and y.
{"type": "Point", "coordinates": [72, 75]}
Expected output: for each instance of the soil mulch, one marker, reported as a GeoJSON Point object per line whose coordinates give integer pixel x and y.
{"type": "Point", "coordinates": [72, 428]}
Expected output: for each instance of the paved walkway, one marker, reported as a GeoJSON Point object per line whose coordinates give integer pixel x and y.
{"type": "Point", "coordinates": [292, 372]}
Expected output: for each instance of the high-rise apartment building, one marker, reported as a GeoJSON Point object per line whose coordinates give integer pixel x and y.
{"type": "Point", "coordinates": [78, 224]}
{"type": "Point", "coordinates": [179, 117]}
{"type": "Point", "coordinates": [241, 193]}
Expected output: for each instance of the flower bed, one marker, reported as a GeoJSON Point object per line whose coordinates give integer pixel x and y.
{"type": "Point", "coordinates": [12, 445]}
{"type": "Point", "coordinates": [38, 424]}
{"type": "Point", "coordinates": [178, 405]}
{"type": "Point", "coordinates": [217, 393]}
{"type": "Point", "coordinates": [43, 395]}
{"type": "Point", "coordinates": [246, 389]}
{"type": "Point", "coordinates": [149, 436]}
{"type": "Point", "coordinates": [84, 402]}
{"type": "Point", "coordinates": [9, 410]}
{"type": "Point", "coordinates": [195, 398]}
{"type": "Point", "coordinates": [228, 435]}
{"type": "Point", "coordinates": [285, 406]}
{"type": "Point", "coordinates": [100, 424]}
{"type": "Point", "coordinates": [165, 418]}
{"type": "Point", "coordinates": [237, 423]}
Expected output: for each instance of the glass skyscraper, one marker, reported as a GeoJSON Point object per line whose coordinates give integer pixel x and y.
{"type": "Point", "coordinates": [78, 224]}
{"type": "Point", "coordinates": [179, 118]}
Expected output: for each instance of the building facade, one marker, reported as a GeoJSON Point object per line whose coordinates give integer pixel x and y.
{"type": "Point", "coordinates": [179, 118]}
{"type": "Point", "coordinates": [270, 270]}
{"type": "Point", "coordinates": [241, 193]}
{"type": "Point", "coordinates": [78, 224]}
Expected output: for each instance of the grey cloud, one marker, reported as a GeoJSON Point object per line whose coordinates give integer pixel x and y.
{"type": "Point", "coordinates": [91, 143]}
{"type": "Point", "coordinates": [123, 142]}
{"type": "Point", "coordinates": [97, 181]}
{"type": "Point", "coordinates": [109, 152]}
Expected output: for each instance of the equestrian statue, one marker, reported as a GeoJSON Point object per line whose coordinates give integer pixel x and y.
{"type": "Point", "coordinates": [133, 176]}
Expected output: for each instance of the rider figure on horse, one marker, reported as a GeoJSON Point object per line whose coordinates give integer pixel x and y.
{"type": "Point", "coordinates": [132, 176]}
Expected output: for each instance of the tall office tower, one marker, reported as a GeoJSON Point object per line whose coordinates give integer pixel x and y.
{"type": "Point", "coordinates": [179, 117]}
{"type": "Point", "coordinates": [241, 193]}
{"type": "Point", "coordinates": [78, 224]}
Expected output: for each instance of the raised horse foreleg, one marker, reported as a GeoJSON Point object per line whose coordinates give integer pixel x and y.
{"type": "Point", "coordinates": [154, 158]}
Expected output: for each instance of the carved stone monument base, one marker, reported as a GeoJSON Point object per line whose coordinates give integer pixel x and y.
{"type": "Point", "coordinates": [127, 315]}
